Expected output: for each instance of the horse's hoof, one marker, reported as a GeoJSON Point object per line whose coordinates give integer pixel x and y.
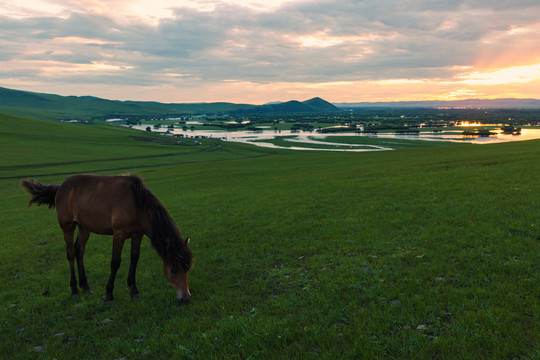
{"type": "Point", "coordinates": [108, 298]}
{"type": "Point", "coordinates": [135, 295]}
{"type": "Point", "coordinates": [75, 296]}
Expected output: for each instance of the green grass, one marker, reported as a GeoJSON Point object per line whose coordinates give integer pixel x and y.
{"type": "Point", "coordinates": [343, 142]}
{"type": "Point", "coordinates": [387, 142]}
{"type": "Point", "coordinates": [56, 107]}
{"type": "Point", "coordinates": [38, 148]}
{"type": "Point", "coordinates": [413, 253]}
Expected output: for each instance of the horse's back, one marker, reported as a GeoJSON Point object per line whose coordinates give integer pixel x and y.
{"type": "Point", "coordinates": [101, 204]}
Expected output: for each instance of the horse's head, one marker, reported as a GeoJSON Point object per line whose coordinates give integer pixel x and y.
{"type": "Point", "coordinates": [179, 279]}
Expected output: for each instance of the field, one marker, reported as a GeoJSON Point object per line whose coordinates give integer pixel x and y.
{"type": "Point", "coordinates": [416, 253]}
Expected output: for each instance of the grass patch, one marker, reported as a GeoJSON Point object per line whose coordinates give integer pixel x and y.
{"type": "Point", "coordinates": [404, 254]}
{"type": "Point", "coordinates": [386, 142]}
{"type": "Point", "coordinates": [285, 142]}
{"type": "Point", "coordinates": [358, 142]}
{"type": "Point", "coordinates": [38, 148]}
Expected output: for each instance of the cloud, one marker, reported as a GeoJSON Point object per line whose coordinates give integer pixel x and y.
{"type": "Point", "coordinates": [141, 43]}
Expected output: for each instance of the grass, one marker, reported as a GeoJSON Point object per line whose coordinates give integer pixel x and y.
{"type": "Point", "coordinates": [37, 148]}
{"type": "Point", "coordinates": [386, 142]}
{"type": "Point", "coordinates": [359, 142]}
{"type": "Point", "coordinates": [402, 254]}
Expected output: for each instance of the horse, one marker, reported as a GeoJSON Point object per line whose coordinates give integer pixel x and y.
{"type": "Point", "coordinates": [121, 206]}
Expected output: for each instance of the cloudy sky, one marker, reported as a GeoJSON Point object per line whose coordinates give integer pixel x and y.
{"type": "Point", "coordinates": [256, 51]}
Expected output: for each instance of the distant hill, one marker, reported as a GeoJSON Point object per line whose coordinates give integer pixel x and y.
{"type": "Point", "coordinates": [315, 105]}
{"type": "Point", "coordinates": [320, 104]}
{"type": "Point", "coordinates": [470, 104]}
{"type": "Point", "coordinates": [56, 107]}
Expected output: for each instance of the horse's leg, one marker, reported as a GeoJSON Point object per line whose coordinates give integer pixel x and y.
{"type": "Point", "coordinates": [70, 250]}
{"type": "Point", "coordinates": [118, 244]}
{"type": "Point", "coordinates": [135, 251]}
{"type": "Point", "coordinates": [80, 246]}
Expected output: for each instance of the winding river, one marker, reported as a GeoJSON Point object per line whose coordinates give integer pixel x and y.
{"type": "Point", "coordinates": [258, 138]}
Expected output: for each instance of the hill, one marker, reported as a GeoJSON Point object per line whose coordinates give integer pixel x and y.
{"type": "Point", "coordinates": [315, 105]}
{"type": "Point", "coordinates": [56, 107]}
{"type": "Point", "coordinates": [468, 104]}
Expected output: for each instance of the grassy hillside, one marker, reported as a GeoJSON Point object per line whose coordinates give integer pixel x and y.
{"type": "Point", "coordinates": [39, 148]}
{"type": "Point", "coordinates": [56, 107]}
{"type": "Point", "coordinates": [404, 254]}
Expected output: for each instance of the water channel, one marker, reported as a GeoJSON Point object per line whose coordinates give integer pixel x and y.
{"type": "Point", "coordinates": [264, 138]}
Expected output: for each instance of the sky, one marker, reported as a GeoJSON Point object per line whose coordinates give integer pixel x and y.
{"type": "Point", "coordinates": [258, 51]}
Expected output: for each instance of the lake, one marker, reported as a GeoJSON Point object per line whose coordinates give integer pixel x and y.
{"type": "Point", "coordinates": [258, 137]}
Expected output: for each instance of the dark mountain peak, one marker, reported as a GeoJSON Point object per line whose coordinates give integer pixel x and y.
{"type": "Point", "coordinates": [316, 99]}
{"type": "Point", "coordinates": [315, 105]}
{"type": "Point", "coordinates": [320, 105]}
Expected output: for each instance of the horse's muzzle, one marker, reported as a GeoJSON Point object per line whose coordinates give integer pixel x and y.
{"type": "Point", "coordinates": [182, 297]}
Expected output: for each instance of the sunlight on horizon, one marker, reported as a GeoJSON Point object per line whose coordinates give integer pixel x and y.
{"type": "Point", "coordinates": [468, 124]}
{"type": "Point", "coordinates": [514, 74]}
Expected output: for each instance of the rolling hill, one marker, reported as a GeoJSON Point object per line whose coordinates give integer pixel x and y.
{"type": "Point", "coordinates": [56, 107]}
{"type": "Point", "coordinates": [466, 104]}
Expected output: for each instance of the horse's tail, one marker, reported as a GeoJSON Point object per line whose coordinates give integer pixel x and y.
{"type": "Point", "coordinates": [41, 194]}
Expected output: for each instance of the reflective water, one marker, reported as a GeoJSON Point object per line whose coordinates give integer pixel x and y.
{"type": "Point", "coordinates": [258, 137]}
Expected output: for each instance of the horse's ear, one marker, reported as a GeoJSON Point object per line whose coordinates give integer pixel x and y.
{"type": "Point", "coordinates": [187, 241]}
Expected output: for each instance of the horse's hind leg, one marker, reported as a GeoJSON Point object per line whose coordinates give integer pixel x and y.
{"type": "Point", "coordinates": [118, 244]}
{"type": "Point", "coordinates": [135, 251]}
{"type": "Point", "coordinates": [80, 246]}
{"type": "Point", "coordinates": [69, 230]}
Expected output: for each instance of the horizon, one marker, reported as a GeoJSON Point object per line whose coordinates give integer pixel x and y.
{"type": "Point", "coordinates": [300, 100]}
{"type": "Point", "coordinates": [241, 51]}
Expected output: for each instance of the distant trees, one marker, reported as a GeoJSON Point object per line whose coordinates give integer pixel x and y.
{"type": "Point", "coordinates": [482, 133]}
{"type": "Point", "coordinates": [303, 127]}
{"type": "Point", "coordinates": [509, 129]}
{"type": "Point", "coordinates": [133, 121]}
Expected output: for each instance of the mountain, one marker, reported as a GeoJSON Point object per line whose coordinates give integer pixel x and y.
{"type": "Point", "coordinates": [56, 107]}
{"type": "Point", "coordinates": [469, 104]}
{"type": "Point", "coordinates": [320, 105]}
{"type": "Point", "coordinates": [315, 105]}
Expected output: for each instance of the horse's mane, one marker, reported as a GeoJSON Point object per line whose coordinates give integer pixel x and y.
{"type": "Point", "coordinates": [165, 236]}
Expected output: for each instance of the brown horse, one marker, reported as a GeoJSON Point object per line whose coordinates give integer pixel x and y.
{"type": "Point", "coordinates": [121, 206]}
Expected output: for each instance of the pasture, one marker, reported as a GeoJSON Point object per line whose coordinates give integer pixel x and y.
{"type": "Point", "coordinates": [413, 253]}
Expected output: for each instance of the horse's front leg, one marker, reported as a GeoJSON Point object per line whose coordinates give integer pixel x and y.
{"type": "Point", "coordinates": [118, 244]}
{"type": "Point", "coordinates": [69, 230]}
{"type": "Point", "coordinates": [135, 252]}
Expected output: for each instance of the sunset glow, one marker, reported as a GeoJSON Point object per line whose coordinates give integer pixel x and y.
{"type": "Point", "coordinates": [260, 51]}
{"type": "Point", "coordinates": [469, 124]}
{"type": "Point", "coordinates": [515, 74]}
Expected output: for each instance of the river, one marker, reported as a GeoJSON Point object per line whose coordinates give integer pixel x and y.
{"type": "Point", "coordinates": [258, 137]}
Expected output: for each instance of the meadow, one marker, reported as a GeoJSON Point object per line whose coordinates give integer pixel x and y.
{"type": "Point", "coordinates": [415, 253]}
